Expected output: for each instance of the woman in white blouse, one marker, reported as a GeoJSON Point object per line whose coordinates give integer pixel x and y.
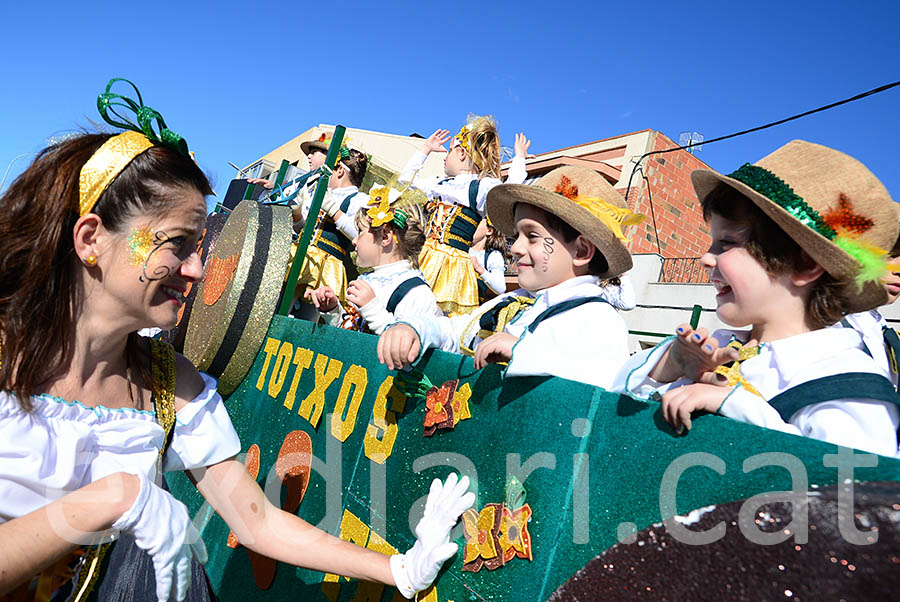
{"type": "Point", "coordinates": [98, 239]}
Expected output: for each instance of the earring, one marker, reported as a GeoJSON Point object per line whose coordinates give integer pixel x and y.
{"type": "Point", "coordinates": [90, 260]}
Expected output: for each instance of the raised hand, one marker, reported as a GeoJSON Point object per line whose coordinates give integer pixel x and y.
{"type": "Point", "coordinates": [522, 145]}
{"type": "Point", "coordinates": [691, 355]}
{"type": "Point", "coordinates": [436, 142]}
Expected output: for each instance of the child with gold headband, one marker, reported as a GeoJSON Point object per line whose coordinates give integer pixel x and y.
{"type": "Point", "coordinates": [391, 234]}
{"type": "Point", "coordinates": [799, 240]}
{"type": "Point", "coordinates": [99, 239]}
{"type": "Point", "coordinates": [456, 205]}
{"type": "Point", "coordinates": [569, 236]}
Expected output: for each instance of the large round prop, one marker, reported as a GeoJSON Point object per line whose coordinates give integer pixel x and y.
{"type": "Point", "coordinates": [239, 293]}
{"type": "Point", "coordinates": [655, 565]}
{"type": "Point", "coordinates": [214, 224]}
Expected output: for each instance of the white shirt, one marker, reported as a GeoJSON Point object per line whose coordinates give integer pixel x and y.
{"type": "Point", "coordinates": [346, 223]}
{"type": "Point", "coordinates": [494, 269]}
{"type": "Point", "coordinates": [384, 280]}
{"type": "Point", "coordinates": [62, 446]}
{"type": "Point", "coordinates": [587, 343]}
{"type": "Point", "coordinates": [864, 424]}
{"type": "Point", "coordinates": [456, 189]}
{"type": "Point", "coordinates": [869, 324]}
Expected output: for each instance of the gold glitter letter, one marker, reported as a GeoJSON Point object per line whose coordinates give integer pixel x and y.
{"type": "Point", "coordinates": [311, 407]}
{"type": "Point", "coordinates": [302, 359]}
{"type": "Point", "coordinates": [279, 370]}
{"type": "Point", "coordinates": [379, 450]}
{"type": "Point", "coordinates": [270, 349]}
{"type": "Point", "coordinates": [341, 426]}
{"type": "Point", "coordinates": [352, 530]}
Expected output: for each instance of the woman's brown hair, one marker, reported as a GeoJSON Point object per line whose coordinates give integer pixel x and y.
{"type": "Point", "coordinates": [39, 292]}
{"type": "Point", "coordinates": [777, 252]}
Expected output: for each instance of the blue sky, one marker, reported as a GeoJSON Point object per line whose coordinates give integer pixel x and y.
{"type": "Point", "coordinates": [237, 79]}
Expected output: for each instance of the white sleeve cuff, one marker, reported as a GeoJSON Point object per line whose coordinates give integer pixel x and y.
{"type": "Point", "coordinates": [203, 433]}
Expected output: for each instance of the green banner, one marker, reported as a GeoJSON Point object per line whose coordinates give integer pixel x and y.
{"type": "Point", "coordinates": [594, 466]}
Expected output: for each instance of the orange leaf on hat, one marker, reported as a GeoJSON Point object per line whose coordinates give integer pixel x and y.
{"type": "Point", "coordinates": [843, 218]}
{"type": "Point", "coordinates": [567, 188]}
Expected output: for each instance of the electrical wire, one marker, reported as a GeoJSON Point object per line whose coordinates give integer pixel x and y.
{"type": "Point", "coordinates": [638, 165]}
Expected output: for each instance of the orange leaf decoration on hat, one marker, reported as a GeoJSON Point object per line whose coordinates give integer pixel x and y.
{"type": "Point", "coordinates": [219, 274]}
{"type": "Point", "coordinates": [514, 538]}
{"type": "Point", "coordinates": [843, 218]}
{"type": "Point", "coordinates": [567, 188]}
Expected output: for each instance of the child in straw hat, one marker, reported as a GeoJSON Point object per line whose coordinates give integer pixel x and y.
{"type": "Point", "coordinates": [456, 205]}
{"type": "Point", "coordinates": [568, 230]}
{"type": "Point", "coordinates": [799, 241]}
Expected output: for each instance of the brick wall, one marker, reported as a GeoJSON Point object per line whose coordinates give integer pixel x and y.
{"type": "Point", "coordinates": [682, 231]}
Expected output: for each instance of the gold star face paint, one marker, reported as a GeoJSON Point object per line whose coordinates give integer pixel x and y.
{"type": "Point", "coordinates": [140, 245]}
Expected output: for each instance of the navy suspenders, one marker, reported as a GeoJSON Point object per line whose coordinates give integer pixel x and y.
{"type": "Point", "coordinates": [401, 290]}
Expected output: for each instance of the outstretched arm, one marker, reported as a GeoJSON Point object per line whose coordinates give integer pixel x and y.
{"type": "Point", "coordinates": [268, 530]}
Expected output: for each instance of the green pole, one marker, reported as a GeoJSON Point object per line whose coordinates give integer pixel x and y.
{"type": "Point", "coordinates": [287, 298]}
{"type": "Point", "coordinates": [281, 173]}
{"type": "Point", "coordinates": [695, 316]}
{"type": "Point", "coordinates": [249, 192]}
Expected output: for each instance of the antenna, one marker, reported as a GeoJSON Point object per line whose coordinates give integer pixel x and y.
{"type": "Point", "coordinates": [692, 139]}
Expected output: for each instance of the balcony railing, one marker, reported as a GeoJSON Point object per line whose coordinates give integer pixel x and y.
{"type": "Point", "coordinates": [683, 270]}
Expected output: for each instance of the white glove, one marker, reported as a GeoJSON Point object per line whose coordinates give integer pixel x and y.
{"type": "Point", "coordinates": [161, 525]}
{"type": "Point", "coordinates": [415, 570]}
{"type": "Point", "coordinates": [331, 204]}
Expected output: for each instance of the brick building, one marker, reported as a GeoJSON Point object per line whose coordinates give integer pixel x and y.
{"type": "Point", "coordinates": [661, 190]}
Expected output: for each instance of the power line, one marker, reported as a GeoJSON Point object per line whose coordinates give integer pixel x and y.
{"type": "Point", "coordinates": [871, 92]}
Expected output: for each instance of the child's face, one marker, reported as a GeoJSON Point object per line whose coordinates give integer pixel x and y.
{"type": "Point", "coordinates": [891, 280]}
{"type": "Point", "coordinates": [316, 159]}
{"type": "Point", "coordinates": [368, 247]}
{"type": "Point", "coordinates": [456, 161]}
{"type": "Point", "coordinates": [747, 293]}
{"type": "Point", "coordinates": [543, 257]}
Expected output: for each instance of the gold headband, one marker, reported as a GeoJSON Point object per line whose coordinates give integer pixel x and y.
{"type": "Point", "coordinates": [107, 163]}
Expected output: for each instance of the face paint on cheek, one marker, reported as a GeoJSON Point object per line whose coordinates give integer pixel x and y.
{"type": "Point", "coordinates": [548, 251]}
{"type": "Point", "coordinates": [156, 270]}
{"type": "Point", "coordinates": [140, 245]}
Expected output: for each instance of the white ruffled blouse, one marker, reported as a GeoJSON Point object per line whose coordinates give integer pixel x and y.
{"type": "Point", "coordinates": [62, 446]}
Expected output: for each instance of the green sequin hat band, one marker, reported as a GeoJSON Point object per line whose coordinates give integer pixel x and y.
{"type": "Point", "coordinates": [777, 190]}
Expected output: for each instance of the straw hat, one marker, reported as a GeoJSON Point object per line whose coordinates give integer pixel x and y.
{"type": "Point", "coordinates": [582, 198]}
{"type": "Point", "coordinates": [319, 144]}
{"type": "Point", "coordinates": [828, 203]}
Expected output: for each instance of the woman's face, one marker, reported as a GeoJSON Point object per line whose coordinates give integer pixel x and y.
{"type": "Point", "coordinates": [146, 268]}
